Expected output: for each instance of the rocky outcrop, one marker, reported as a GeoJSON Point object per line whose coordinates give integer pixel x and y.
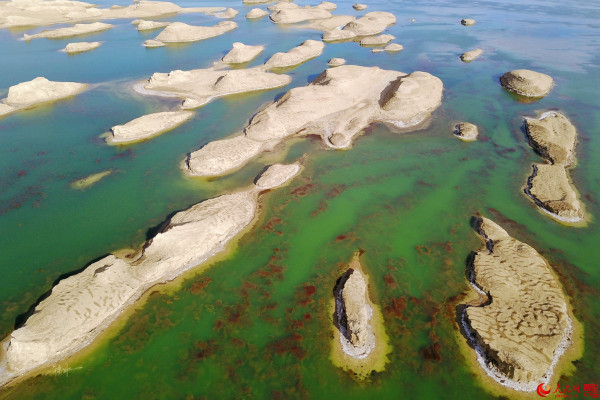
{"type": "Point", "coordinates": [150, 43]}
{"type": "Point", "coordinates": [353, 313]}
{"type": "Point", "coordinates": [471, 55]}
{"type": "Point", "coordinates": [80, 47]}
{"type": "Point", "coordinates": [81, 306]}
{"type": "Point", "coordinates": [553, 137]}
{"type": "Point", "coordinates": [308, 50]}
{"type": "Point", "coordinates": [376, 40]}
{"type": "Point", "coordinates": [228, 13]}
{"type": "Point", "coordinates": [150, 25]}
{"type": "Point", "coordinates": [241, 53]}
{"type": "Point", "coordinates": [179, 32]}
{"type": "Point", "coordinates": [148, 126]}
{"type": "Point", "coordinates": [41, 90]}
{"type": "Point", "coordinates": [372, 23]}
{"type": "Point", "coordinates": [527, 83]}
{"type": "Point", "coordinates": [359, 340]}
{"type": "Point", "coordinates": [467, 21]}
{"type": "Point", "coordinates": [256, 13]}
{"type": "Point", "coordinates": [337, 105]}
{"type": "Point", "coordinates": [466, 131]}
{"type": "Point", "coordinates": [299, 14]}
{"type": "Point", "coordinates": [78, 29]}
{"type": "Point", "coordinates": [390, 48]}
{"type": "Point", "coordinates": [199, 86]}
{"type": "Point", "coordinates": [336, 62]}
{"type": "Point", "coordinates": [523, 326]}
{"type": "Point", "coordinates": [359, 7]}
{"type": "Point", "coordinates": [19, 13]}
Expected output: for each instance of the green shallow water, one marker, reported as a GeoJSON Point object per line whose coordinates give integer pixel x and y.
{"type": "Point", "coordinates": [248, 327]}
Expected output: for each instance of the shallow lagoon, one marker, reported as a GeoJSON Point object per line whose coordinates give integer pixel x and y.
{"type": "Point", "coordinates": [249, 326]}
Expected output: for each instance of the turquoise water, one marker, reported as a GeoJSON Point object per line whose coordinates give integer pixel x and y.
{"type": "Point", "coordinates": [246, 328]}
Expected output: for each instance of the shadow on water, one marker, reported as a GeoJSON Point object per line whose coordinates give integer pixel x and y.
{"type": "Point", "coordinates": [339, 315]}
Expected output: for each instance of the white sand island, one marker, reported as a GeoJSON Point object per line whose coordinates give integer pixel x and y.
{"type": "Point", "coordinates": [309, 49]}
{"type": "Point", "coordinates": [337, 106]}
{"type": "Point", "coordinates": [81, 306]}
{"type": "Point", "coordinates": [77, 30]}
{"type": "Point", "coordinates": [256, 13]}
{"type": "Point", "coordinates": [144, 25]}
{"type": "Point", "coordinates": [37, 91]}
{"type": "Point", "coordinates": [199, 86]}
{"type": "Point", "coordinates": [372, 23]}
{"type": "Point", "coordinates": [148, 126]}
{"type": "Point", "coordinates": [241, 53]}
{"type": "Point", "coordinates": [80, 47]}
{"type": "Point", "coordinates": [179, 32]}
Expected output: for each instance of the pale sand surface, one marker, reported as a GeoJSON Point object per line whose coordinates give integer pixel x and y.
{"type": "Point", "coordinates": [336, 62]}
{"type": "Point", "coordinates": [150, 25]}
{"type": "Point", "coordinates": [307, 50]}
{"type": "Point", "coordinates": [527, 83]}
{"type": "Point", "coordinates": [228, 13]}
{"type": "Point", "coordinates": [301, 14]}
{"type": "Point", "coordinates": [76, 30]}
{"type": "Point", "coordinates": [241, 53]}
{"type": "Point", "coordinates": [359, 7]}
{"type": "Point", "coordinates": [17, 13]}
{"type": "Point", "coordinates": [360, 344]}
{"type": "Point", "coordinates": [522, 321]}
{"type": "Point", "coordinates": [337, 106]}
{"type": "Point", "coordinates": [81, 306]}
{"type": "Point", "coordinates": [256, 13]}
{"type": "Point", "coordinates": [372, 23]}
{"type": "Point", "coordinates": [37, 91]}
{"type": "Point", "coordinates": [376, 40]}
{"type": "Point", "coordinates": [179, 32]}
{"type": "Point", "coordinates": [198, 87]}
{"type": "Point", "coordinates": [471, 55]}
{"type": "Point", "coordinates": [150, 43]}
{"type": "Point", "coordinates": [554, 137]}
{"type": "Point", "coordinates": [80, 47]}
{"type": "Point", "coordinates": [147, 126]}
{"type": "Point", "coordinates": [466, 131]}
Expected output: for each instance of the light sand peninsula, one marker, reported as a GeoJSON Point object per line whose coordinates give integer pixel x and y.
{"type": "Point", "coordinates": [521, 326]}
{"type": "Point", "coordinates": [308, 50]}
{"type": "Point", "coordinates": [178, 32]}
{"type": "Point", "coordinates": [467, 21]}
{"type": "Point", "coordinates": [77, 30]}
{"type": "Point", "coordinates": [527, 83]}
{"type": "Point", "coordinates": [372, 23]}
{"type": "Point", "coordinates": [376, 40]}
{"type": "Point", "coordinates": [336, 62]}
{"type": "Point", "coordinates": [199, 86]}
{"type": "Point", "coordinates": [241, 53]}
{"type": "Point", "coordinates": [466, 131]}
{"type": "Point", "coordinates": [38, 91]}
{"type": "Point", "coordinates": [256, 13]}
{"type": "Point", "coordinates": [21, 13]}
{"type": "Point", "coordinates": [148, 126]}
{"type": "Point", "coordinates": [80, 47]}
{"type": "Point", "coordinates": [283, 5]}
{"type": "Point", "coordinates": [359, 7]}
{"type": "Point", "coordinates": [257, 1]}
{"type": "Point", "coordinates": [337, 105]}
{"type": "Point", "coordinates": [84, 183]}
{"type": "Point", "coordinates": [360, 343]}
{"type": "Point", "coordinates": [83, 305]}
{"type": "Point", "coordinates": [327, 5]}
{"type": "Point", "coordinates": [144, 25]}
{"type": "Point", "coordinates": [328, 24]}
{"type": "Point", "coordinates": [553, 137]}
{"type": "Point", "coordinates": [471, 55]}
{"type": "Point", "coordinates": [228, 13]}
